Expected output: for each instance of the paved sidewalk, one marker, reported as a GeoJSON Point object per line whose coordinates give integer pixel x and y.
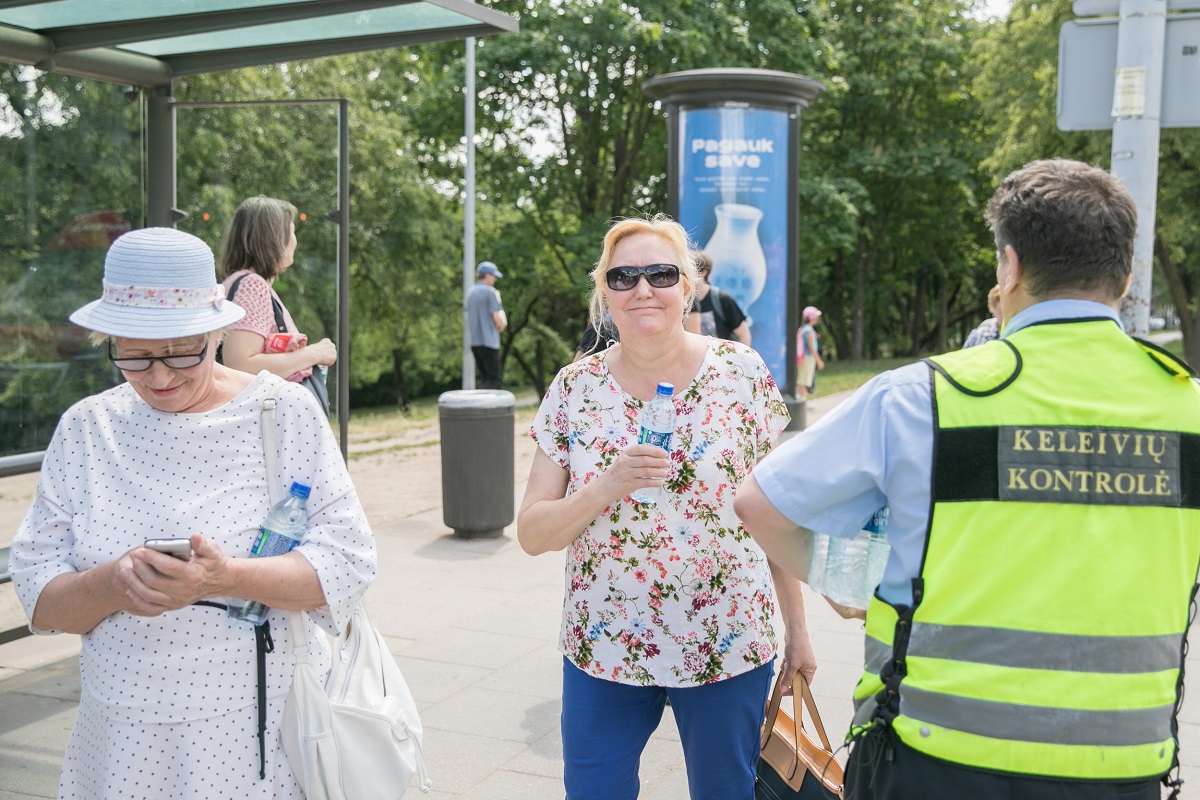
{"type": "Point", "coordinates": [474, 626]}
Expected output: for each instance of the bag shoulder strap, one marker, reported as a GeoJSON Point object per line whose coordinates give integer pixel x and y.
{"type": "Point", "coordinates": [776, 700]}
{"type": "Point", "coordinates": [267, 417]}
{"type": "Point", "coordinates": [233, 287]}
{"type": "Point", "coordinates": [276, 306]}
{"type": "Point", "coordinates": [718, 309]}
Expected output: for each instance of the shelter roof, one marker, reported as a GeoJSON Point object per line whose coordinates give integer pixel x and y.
{"type": "Point", "coordinates": [150, 42]}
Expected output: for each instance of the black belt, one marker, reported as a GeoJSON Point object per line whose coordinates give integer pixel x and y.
{"type": "Point", "coordinates": [263, 644]}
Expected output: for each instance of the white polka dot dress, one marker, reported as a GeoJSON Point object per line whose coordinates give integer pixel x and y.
{"type": "Point", "coordinates": [169, 702]}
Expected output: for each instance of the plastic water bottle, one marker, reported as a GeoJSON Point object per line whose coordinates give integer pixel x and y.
{"type": "Point", "coordinates": [282, 530]}
{"type": "Point", "coordinates": [658, 425]}
{"type": "Point", "coordinates": [848, 569]}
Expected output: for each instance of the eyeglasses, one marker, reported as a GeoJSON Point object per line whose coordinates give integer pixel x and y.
{"type": "Point", "coordinates": [142, 364]}
{"type": "Point", "coordinates": [660, 276]}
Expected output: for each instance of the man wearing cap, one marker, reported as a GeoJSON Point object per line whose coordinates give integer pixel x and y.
{"type": "Point", "coordinates": [808, 356]}
{"type": "Point", "coordinates": [485, 320]}
{"type": "Point", "coordinates": [1027, 638]}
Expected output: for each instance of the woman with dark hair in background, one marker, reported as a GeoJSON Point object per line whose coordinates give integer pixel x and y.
{"type": "Point", "coordinates": [258, 247]}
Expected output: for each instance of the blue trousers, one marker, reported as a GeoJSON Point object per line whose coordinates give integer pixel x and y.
{"type": "Point", "coordinates": [605, 727]}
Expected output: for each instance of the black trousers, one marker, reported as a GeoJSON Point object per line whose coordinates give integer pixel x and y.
{"type": "Point", "coordinates": [912, 775]}
{"type": "Point", "coordinates": [487, 367]}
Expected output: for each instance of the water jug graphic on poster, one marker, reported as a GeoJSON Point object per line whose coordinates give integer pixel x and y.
{"type": "Point", "coordinates": [739, 263]}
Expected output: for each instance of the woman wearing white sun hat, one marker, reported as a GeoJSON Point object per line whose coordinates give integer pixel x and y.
{"type": "Point", "coordinates": [172, 702]}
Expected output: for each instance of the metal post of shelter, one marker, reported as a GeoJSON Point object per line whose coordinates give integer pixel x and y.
{"type": "Point", "coordinates": [160, 157]}
{"type": "Point", "coordinates": [1137, 113]}
{"type": "Point", "coordinates": [342, 365]}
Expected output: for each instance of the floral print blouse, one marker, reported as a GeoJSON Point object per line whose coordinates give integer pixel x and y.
{"type": "Point", "coordinates": [673, 594]}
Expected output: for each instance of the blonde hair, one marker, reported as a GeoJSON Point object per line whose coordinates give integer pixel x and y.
{"type": "Point", "coordinates": [659, 225]}
{"type": "Point", "coordinates": [257, 237]}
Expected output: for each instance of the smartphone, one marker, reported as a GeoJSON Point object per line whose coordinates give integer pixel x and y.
{"type": "Point", "coordinates": [180, 548]}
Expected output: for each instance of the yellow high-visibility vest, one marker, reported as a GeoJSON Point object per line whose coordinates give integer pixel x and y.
{"type": "Point", "coordinates": [1047, 628]}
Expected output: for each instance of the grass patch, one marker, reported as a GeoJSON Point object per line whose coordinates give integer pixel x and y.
{"type": "Point", "coordinates": [844, 376]}
{"type": "Point", "coordinates": [384, 423]}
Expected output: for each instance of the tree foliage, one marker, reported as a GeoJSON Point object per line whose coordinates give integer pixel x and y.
{"type": "Point", "coordinates": [926, 108]}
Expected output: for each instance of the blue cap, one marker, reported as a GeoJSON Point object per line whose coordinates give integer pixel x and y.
{"type": "Point", "coordinates": [300, 490]}
{"type": "Point", "coordinates": [488, 268]}
{"type": "Point", "coordinates": [665, 389]}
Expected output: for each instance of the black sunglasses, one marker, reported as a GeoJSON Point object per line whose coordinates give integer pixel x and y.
{"type": "Point", "coordinates": [142, 364]}
{"type": "Point", "coordinates": [660, 276]}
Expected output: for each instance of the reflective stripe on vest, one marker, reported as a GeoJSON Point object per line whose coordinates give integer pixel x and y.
{"type": "Point", "coordinates": [1036, 650]}
{"type": "Point", "coordinates": [1061, 554]}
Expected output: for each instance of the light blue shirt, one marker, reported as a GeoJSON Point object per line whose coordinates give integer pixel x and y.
{"type": "Point", "coordinates": [876, 449]}
{"type": "Point", "coordinates": [482, 301]}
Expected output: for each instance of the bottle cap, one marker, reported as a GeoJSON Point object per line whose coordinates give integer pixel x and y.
{"type": "Point", "coordinates": [300, 490]}
{"type": "Point", "coordinates": [665, 389]}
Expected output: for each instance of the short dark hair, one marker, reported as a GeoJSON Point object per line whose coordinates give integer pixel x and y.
{"type": "Point", "coordinates": [703, 261]}
{"type": "Point", "coordinates": [1072, 225]}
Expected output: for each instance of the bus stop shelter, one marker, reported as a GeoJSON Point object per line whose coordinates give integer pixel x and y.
{"type": "Point", "coordinates": [148, 45]}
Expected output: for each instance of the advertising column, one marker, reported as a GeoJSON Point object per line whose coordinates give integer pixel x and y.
{"type": "Point", "coordinates": [732, 171]}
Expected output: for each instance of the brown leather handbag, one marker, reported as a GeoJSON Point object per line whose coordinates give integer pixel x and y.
{"type": "Point", "coordinates": [793, 765]}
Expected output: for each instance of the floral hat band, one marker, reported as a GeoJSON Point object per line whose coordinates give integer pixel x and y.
{"type": "Point", "coordinates": [159, 283]}
{"type": "Point", "coordinates": [163, 297]}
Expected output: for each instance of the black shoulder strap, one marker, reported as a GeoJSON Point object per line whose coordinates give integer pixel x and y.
{"type": "Point", "coordinates": [233, 287]}
{"type": "Point", "coordinates": [714, 295]}
{"type": "Point", "coordinates": [276, 306]}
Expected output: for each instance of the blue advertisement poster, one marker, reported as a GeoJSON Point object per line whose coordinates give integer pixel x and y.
{"type": "Point", "coordinates": [733, 201]}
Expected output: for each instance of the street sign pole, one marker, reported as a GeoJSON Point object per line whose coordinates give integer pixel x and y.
{"type": "Point", "coordinates": [1137, 114]}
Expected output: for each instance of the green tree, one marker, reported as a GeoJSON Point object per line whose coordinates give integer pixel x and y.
{"type": "Point", "coordinates": [1017, 86]}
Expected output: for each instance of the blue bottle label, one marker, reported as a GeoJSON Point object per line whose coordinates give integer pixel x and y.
{"type": "Point", "coordinates": [657, 438]}
{"type": "Point", "coordinates": [270, 543]}
{"type": "Point", "coordinates": [878, 521]}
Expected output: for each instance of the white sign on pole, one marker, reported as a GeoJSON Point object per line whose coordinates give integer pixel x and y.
{"type": "Point", "coordinates": [1089, 96]}
{"type": "Point", "coordinates": [1129, 94]}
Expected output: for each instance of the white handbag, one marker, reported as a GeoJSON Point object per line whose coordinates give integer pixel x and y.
{"type": "Point", "coordinates": [357, 736]}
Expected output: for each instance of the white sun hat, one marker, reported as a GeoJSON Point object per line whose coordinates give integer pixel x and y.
{"type": "Point", "coordinates": [159, 283]}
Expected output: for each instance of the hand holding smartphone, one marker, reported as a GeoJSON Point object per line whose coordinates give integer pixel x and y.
{"type": "Point", "coordinates": [180, 548]}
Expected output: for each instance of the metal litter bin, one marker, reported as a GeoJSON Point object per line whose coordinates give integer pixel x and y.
{"type": "Point", "coordinates": [477, 461]}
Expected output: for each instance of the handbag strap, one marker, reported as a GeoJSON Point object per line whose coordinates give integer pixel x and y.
{"type": "Point", "coordinates": [811, 704]}
{"type": "Point", "coordinates": [295, 619]}
{"type": "Point", "coordinates": [797, 718]}
{"type": "Point", "coordinates": [270, 403]}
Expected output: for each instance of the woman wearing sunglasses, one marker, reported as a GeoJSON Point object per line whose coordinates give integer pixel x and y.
{"type": "Point", "coordinates": [668, 600]}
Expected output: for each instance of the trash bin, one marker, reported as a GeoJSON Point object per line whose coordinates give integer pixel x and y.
{"type": "Point", "coordinates": [477, 461]}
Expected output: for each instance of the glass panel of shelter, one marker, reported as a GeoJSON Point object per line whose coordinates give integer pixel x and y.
{"type": "Point", "coordinates": [71, 164]}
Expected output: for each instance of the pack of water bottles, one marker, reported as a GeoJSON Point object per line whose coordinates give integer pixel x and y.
{"type": "Point", "coordinates": [847, 570]}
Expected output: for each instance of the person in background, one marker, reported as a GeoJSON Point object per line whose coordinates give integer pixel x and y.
{"type": "Point", "coordinates": [719, 314]}
{"type": "Point", "coordinates": [170, 695]}
{"type": "Point", "coordinates": [808, 355]}
{"type": "Point", "coordinates": [1027, 639]}
{"type": "Point", "coordinates": [989, 329]}
{"type": "Point", "coordinates": [670, 599]}
{"type": "Point", "coordinates": [258, 247]}
{"type": "Point", "coordinates": [486, 321]}
{"type": "Point", "coordinates": [597, 337]}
